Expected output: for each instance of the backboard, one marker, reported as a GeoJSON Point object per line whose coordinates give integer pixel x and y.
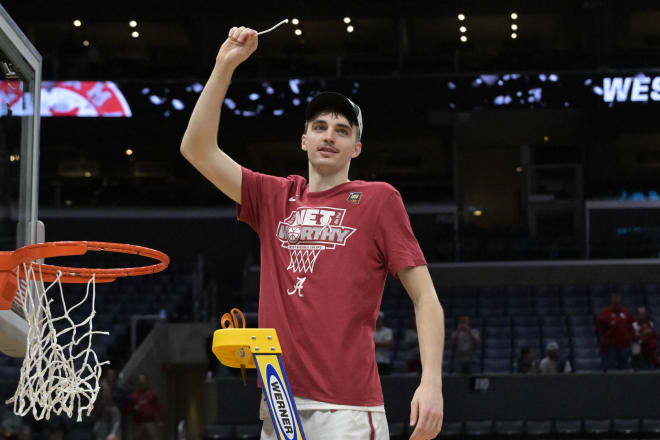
{"type": "Point", "coordinates": [20, 69]}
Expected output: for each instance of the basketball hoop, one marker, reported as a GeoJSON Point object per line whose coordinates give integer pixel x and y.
{"type": "Point", "coordinates": [303, 257]}
{"type": "Point", "coordinates": [61, 370]}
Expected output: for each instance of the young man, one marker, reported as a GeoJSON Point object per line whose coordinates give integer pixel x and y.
{"type": "Point", "coordinates": [326, 247]}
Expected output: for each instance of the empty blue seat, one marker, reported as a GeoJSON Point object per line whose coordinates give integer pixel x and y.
{"type": "Point", "coordinates": [577, 309]}
{"type": "Point", "coordinates": [533, 343]}
{"type": "Point", "coordinates": [627, 289]}
{"type": "Point", "coordinates": [553, 320]}
{"type": "Point", "coordinates": [527, 301]}
{"type": "Point", "coordinates": [451, 429]}
{"type": "Point", "coordinates": [582, 320]}
{"type": "Point", "coordinates": [487, 301]}
{"type": "Point", "coordinates": [583, 331]}
{"type": "Point", "coordinates": [457, 312]}
{"type": "Point", "coordinates": [626, 426]}
{"type": "Point", "coordinates": [498, 332]}
{"type": "Point", "coordinates": [479, 427]}
{"type": "Point", "coordinates": [538, 427]}
{"type": "Point", "coordinates": [492, 311]}
{"type": "Point", "coordinates": [599, 290]}
{"type": "Point", "coordinates": [526, 332]}
{"type": "Point", "coordinates": [468, 301]}
{"type": "Point", "coordinates": [498, 321]}
{"type": "Point", "coordinates": [525, 321]}
{"type": "Point", "coordinates": [590, 352]}
{"type": "Point", "coordinates": [554, 332]}
{"type": "Point", "coordinates": [497, 343]}
{"type": "Point", "coordinates": [568, 427]}
{"type": "Point", "coordinates": [597, 427]}
{"type": "Point", "coordinates": [509, 427]}
{"type": "Point", "coordinates": [585, 342]}
{"type": "Point", "coordinates": [497, 353]}
{"type": "Point", "coordinates": [497, 366]}
{"type": "Point", "coordinates": [548, 311]}
{"type": "Point", "coordinates": [520, 311]}
{"type": "Point", "coordinates": [587, 364]}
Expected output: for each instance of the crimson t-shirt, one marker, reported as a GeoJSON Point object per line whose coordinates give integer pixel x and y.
{"type": "Point", "coordinates": [324, 260]}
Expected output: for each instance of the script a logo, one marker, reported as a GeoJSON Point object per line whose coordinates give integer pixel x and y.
{"type": "Point", "coordinates": [280, 404]}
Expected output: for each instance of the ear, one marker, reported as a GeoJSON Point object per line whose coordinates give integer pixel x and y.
{"type": "Point", "coordinates": [356, 150]}
{"type": "Point", "coordinates": [303, 143]}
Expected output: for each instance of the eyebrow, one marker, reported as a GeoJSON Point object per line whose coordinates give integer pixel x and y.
{"type": "Point", "coordinates": [339, 124]}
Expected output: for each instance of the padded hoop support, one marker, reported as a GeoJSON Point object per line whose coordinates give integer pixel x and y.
{"type": "Point", "coordinates": [10, 261]}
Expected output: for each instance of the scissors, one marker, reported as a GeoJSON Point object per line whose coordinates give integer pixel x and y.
{"type": "Point", "coordinates": [231, 320]}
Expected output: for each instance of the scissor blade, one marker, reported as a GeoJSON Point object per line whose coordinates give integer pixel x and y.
{"type": "Point", "coordinates": [244, 374]}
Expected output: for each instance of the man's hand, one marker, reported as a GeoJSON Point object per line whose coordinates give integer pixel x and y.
{"type": "Point", "coordinates": [426, 411]}
{"type": "Point", "coordinates": [238, 47]}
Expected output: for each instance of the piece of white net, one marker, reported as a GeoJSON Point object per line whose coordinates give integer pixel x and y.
{"type": "Point", "coordinates": [61, 371]}
{"type": "Point", "coordinates": [303, 257]}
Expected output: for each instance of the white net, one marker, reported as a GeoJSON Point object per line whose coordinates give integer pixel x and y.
{"type": "Point", "coordinates": [303, 257]}
{"type": "Point", "coordinates": [61, 371]}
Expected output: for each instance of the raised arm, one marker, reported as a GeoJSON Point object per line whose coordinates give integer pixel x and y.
{"type": "Point", "coordinates": [200, 141]}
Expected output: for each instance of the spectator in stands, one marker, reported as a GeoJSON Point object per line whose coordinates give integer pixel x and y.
{"type": "Point", "coordinates": [413, 359]}
{"type": "Point", "coordinates": [465, 343]}
{"type": "Point", "coordinates": [383, 339]}
{"type": "Point", "coordinates": [615, 326]}
{"type": "Point", "coordinates": [144, 404]}
{"type": "Point", "coordinates": [110, 399]}
{"type": "Point", "coordinates": [553, 362]}
{"type": "Point", "coordinates": [645, 345]}
{"type": "Point", "coordinates": [526, 362]}
{"type": "Point", "coordinates": [26, 433]}
{"type": "Point", "coordinates": [11, 426]}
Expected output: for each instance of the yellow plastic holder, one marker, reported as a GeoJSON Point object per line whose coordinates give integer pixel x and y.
{"type": "Point", "coordinates": [260, 348]}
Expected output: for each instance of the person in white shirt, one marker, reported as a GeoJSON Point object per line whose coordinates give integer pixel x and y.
{"type": "Point", "coordinates": [383, 339]}
{"type": "Point", "coordinates": [553, 363]}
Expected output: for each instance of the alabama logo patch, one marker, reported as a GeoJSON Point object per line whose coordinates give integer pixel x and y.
{"type": "Point", "coordinates": [354, 197]}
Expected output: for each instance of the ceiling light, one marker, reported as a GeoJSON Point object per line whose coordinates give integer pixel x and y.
{"type": "Point", "coordinates": [77, 23]}
{"type": "Point", "coordinates": [132, 23]}
{"type": "Point", "coordinates": [518, 169]}
{"type": "Point", "coordinates": [514, 16]}
{"type": "Point", "coordinates": [477, 212]}
{"type": "Point", "coordinates": [514, 35]}
{"type": "Point", "coordinates": [514, 27]}
{"type": "Point", "coordinates": [85, 43]}
{"type": "Point", "coordinates": [347, 20]}
{"type": "Point", "coordinates": [463, 38]}
{"type": "Point", "coordinates": [129, 152]}
{"type": "Point", "coordinates": [462, 29]}
{"type": "Point", "coordinates": [88, 174]}
{"type": "Point", "coordinates": [135, 34]}
{"type": "Point", "coordinates": [461, 17]}
{"type": "Point", "coordinates": [298, 32]}
{"type": "Point", "coordinates": [349, 29]}
{"type": "Point", "coordinates": [546, 138]}
{"type": "Point", "coordinates": [295, 21]}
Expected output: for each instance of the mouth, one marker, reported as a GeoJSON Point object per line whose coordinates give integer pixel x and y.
{"type": "Point", "coordinates": [327, 149]}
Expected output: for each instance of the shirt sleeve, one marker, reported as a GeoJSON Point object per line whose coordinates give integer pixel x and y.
{"type": "Point", "coordinates": [394, 236]}
{"type": "Point", "coordinates": [258, 193]}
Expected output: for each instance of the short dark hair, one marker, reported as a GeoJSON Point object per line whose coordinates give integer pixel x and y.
{"type": "Point", "coordinates": [335, 113]}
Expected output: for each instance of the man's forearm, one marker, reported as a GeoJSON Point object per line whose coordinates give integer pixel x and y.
{"type": "Point", "coordinates": [431, 333]}
{"type": "Point", "coordinates": [202, 128]}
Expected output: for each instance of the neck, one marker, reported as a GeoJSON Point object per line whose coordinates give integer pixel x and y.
{"type": "Point", "coordinates": [318, 181]}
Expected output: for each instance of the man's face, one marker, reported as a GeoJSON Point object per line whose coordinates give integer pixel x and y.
{"type": "Point", "coordinates": [616, 300]}
{"type": "Point", "coordinates": [464, 322]}
{"type": "Point", "coordinates": [330, 142]}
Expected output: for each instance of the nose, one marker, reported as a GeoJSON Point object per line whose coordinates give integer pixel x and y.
{"type": "Point", "coordinates": [328, 136]}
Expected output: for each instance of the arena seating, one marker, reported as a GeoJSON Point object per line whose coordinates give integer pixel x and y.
{"type": "Point", "coordinates": [513, 317]}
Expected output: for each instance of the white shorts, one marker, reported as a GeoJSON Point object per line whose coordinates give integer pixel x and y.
{"type": "Point", "coordinates": [336, 424]}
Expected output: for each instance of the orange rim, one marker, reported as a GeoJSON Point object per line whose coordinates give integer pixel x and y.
{"type": "Point", "coordinates": [11, 260]}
